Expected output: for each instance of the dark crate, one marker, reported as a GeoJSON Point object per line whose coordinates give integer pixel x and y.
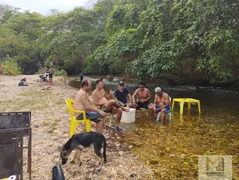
{"type": "Point", "coordinates": [14, 127]}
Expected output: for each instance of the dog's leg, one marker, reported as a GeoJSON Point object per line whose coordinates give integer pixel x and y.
{"type": "Point", "coordinates": [74, 158]}
{"type": "Point", "coordinates": [98, 169]}
{"type": "Point", "coordinates": [101, 162]}
{"type": "Point", "coordinates": [77, 157]}
{"type": "Point", "coordinates": [97, 148]}
{"type": "Point", "coordinates": [78, 153]}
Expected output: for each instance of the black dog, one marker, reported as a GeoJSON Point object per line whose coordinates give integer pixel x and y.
{"type": "Point", "coordinates": [83, 140]}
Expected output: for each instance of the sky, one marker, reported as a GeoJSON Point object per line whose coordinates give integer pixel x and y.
{"type": "Point", "coordinates": [44, 6]}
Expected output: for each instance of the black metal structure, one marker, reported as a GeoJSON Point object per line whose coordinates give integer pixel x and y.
{"type": "Point", "coordinates": [15, 139]}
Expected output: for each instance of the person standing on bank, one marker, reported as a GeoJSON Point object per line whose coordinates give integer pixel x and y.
{"type": "Point", "coordinates": [81, 76]}
{"type": "Point", "coordinates": [50, 74]}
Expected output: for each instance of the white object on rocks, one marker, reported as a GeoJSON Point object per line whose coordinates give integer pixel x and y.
{"type": "Point", "coordinates": [128, 117]}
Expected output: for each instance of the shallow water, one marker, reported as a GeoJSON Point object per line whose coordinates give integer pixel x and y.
{"type": "Point", "coordinates": [172, 151]}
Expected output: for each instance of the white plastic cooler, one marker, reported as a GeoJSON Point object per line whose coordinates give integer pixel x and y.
{"type": "Point", "coordinates": [128, 117]}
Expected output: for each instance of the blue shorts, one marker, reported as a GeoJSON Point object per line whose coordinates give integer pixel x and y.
{"type": "Point", "coordinates": [93, 116]}
{"type": "Point", "coordinates": [168, 109]}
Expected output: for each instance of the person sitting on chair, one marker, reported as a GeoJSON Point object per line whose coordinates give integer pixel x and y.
{"type": "Point", "coordinates": [101, 99]}
{"type": "Point", "coordinates": [161, 103]}
{"type": "Point", "coordinates": [82, 103]}
{"type": "Point", "coordinates": [143, 95]}
{"type": "Point", "coordinates": [121, 93]}
{"type": "Point", "coordinates": [23, 82]}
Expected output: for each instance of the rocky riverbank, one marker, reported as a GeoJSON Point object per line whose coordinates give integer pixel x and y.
{"type": "Point", "coordinates": [50, 130]}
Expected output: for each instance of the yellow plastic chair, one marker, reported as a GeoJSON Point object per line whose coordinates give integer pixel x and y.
{"type": "Point", "coordinates": [74, 121]}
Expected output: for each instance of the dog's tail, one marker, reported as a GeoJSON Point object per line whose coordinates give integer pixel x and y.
{"type": "Point", "coordinates": [104, 149]}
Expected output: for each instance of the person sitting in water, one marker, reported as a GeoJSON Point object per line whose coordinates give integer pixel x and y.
{"type": "Point", "coordinates": [121, 93]}
{"type": "Point", "coordinates": [104, 101]}
{"type": "Point", "coordinates": [142, 95]}
{"type": "Point", "coordinates": [161, 103]}
{"type": "Point", "coordinates": [23, 82]}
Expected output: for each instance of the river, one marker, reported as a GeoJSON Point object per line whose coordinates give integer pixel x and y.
{"type": "Point", "coordinates": [172, 151]}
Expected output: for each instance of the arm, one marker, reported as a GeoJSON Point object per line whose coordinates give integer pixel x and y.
{"type": "Point", "coordinates": [166, 102]}
{"type": "Point", "coordinates": [115, 95]}
{"type": "Point", "coordinates": [116, 99]}
{"type": "Point", "coordinates": [130, 98]}
{"type": "Point", "coordinates": [135, 95]}
{"type": "Point", "coordinates": [108, 96]}
{"type": "Point", "coordinates": [149, 95]}
{"type": "Point", "coordinates": [155, 101]}
{"type": "Point", "coordinates": [126, 92]}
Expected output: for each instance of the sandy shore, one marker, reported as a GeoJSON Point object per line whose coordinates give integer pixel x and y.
{"type": "Point", "coordinates": [50, 130]}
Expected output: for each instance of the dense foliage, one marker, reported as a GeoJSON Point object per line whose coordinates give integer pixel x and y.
{"type": "Point", "coordinates": [181, 40]}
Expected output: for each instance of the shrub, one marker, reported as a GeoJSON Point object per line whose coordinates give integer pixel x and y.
{"type": "Point", "coordinates": [61, 72]}
{"type": "Point", "coordinates": [41, 70]}
{"type": "Point", "coordinates": [10, 67]}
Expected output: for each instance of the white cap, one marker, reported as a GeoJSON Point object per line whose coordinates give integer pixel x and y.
{"type": "Point", "coordinates": [158, 89]}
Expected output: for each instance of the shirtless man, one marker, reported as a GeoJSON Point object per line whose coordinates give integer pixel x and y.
{"type": "Point", "coordinates": [161, 103]}
{"type": "Point", "coordinates": [143, 95]}
{"type": "Point", "coordinates": [82, 102]}
{"type": "Point", "coordinates": [101, 99]}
